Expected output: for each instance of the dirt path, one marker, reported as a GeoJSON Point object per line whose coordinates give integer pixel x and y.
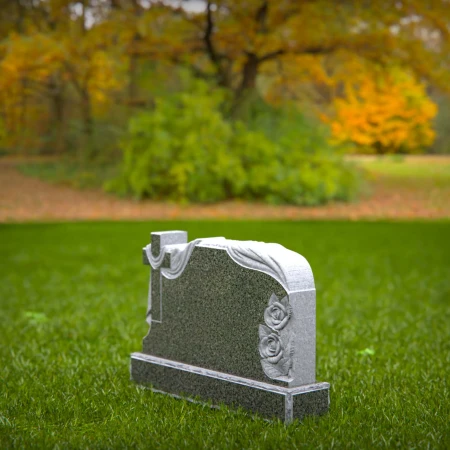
{"type": "Point", "coordinates": [28, 199]}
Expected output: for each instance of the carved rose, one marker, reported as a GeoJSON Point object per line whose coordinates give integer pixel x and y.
{"type": "Point", "coordinates": [276, 356]}
{"type": "Point", "coordinates": [270, 348]}
{"type": "Point", "coordinates": [275, 347]}
{"type": "Point", "coordinates": [277, 313]}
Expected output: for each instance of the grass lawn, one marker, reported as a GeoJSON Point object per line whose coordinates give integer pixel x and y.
{"type": "Point", "coordinates": [412, 168]}
{"type": "Point", "coordinates": [402, 168]}
{"type": "Point", "coordinates": [73, 300]}
{"type": "Point", "coordinates": [70, 174]}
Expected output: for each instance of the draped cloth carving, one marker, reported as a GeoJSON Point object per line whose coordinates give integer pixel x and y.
{"type": "Point", "coordinates": [286, 266]}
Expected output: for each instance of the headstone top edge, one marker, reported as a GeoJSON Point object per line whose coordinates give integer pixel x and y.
{"type": "Point", "coordinates": [288, 267]}
{"type": "Point", "coordinates": [158, 233]}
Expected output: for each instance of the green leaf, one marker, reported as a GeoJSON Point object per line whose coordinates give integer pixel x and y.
{"type": "Point", "coordinates": [366, 351]}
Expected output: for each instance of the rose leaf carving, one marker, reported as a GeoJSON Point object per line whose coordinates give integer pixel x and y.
{"type": "Point", "coordinates": [264, 331]}
{"type": "Point", "coordinates": [273, 299]}
{"type": "Point", "coordinates": [271, 370]}
{"type": "Point", "coordinates": [284, 365]}
{"type": "Point", "coordinates": [289, 349]}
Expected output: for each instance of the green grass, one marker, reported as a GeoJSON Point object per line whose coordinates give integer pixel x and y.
{"type": "Point", "coordinates": [404, 168]}
{"type": "Point", "coordinates": [70, 173]}
{"type": "Point", "coordinates": [73, 300]}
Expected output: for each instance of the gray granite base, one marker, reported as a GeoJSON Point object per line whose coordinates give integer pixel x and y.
{"type": "Point", "coordinates": [268, 400]}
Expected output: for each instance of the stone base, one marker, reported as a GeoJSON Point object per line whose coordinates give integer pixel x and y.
{"type": "Point", "coordinates": [268, 400]}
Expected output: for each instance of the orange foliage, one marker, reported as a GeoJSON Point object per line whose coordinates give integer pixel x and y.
{"type": "Point", "coordinates": [386, 113]}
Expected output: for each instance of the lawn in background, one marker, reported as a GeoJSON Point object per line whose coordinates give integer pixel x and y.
{"type": "Point", "coordinates": [399, 169]}
{"type": "Point", "coordinates": [407, 168]}
{"type": "Point", "coordinates": [423, 181]}
{"type": "Point", "coordinates": [69, 173]}
{"type": "Point", "coordinates": [73, 300]}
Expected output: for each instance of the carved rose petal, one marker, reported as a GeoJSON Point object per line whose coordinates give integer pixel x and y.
{"type": "Point", "coordinates": [275, 359]}
{"type": "Point", "coordinates": [278, 311]}
{"type": "Point", "coordinates": [276, 315]}
{"type": "Point", "coordinates": [270, 346]}
{"type": "Point", "coordinates": [282, 324]}
{"type": "Point", "coordinates": [274, 346]}
{"type": "Point", "coordinates": [263, 347]}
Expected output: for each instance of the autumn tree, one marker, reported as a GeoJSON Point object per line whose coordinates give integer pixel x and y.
{"type": "Point", "coordinates": [89, 67]}
{"type": "Point", "coordinates": [242, 39]}
{"type": "Point", "coordinates": [144, 33]}
{"type": "Point", "coordinates": [58, 55]}
{"type": "Point", "coordinates": [379, 109]}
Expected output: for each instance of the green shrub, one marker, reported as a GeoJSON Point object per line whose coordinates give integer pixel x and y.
{"type": "Point", "coordinates": [184, 150]}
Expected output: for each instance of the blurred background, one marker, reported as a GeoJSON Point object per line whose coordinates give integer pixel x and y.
{"type": "Point", "coordinates": [340, 107]}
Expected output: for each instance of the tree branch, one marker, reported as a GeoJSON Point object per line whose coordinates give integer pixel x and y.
{"type": "Point", "coordinates": [318, 50]}
{"type": "Point", "coordinates": [208, 36]}
{"type": "Point", "coordinates": [215, 57]}
{"type": "Point", "coordinates": [197, 71]}
{"type": "Point", "coordinates": [261, 16]}
{"type": "Point", "coordinates": [271, 55]}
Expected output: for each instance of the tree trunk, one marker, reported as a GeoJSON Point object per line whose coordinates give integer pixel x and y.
{"type": "Point", "coordinates": [58, 108]}
{"type": "Point", "coordinates": [132, 82]}
{"type": "Point", "coordinates": [22, 142]}
{"type": "Point", "coordinates": [60, 123]}
{"type": "Point", "coordinates": [133, 67]}
{"type": "Point", "coordinates": [247, 88]}
{"type": "Point", "coordinates": [87, 148]}
{"type": "Point", "coordinates": [249, 73]}
{"type": "Point", "coordinates": [133, 73]}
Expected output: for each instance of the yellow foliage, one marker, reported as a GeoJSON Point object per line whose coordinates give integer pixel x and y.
{"type": "Point", "coordinates": [93, 72]}
{"type": "Point", "coordinates": [28, 68]}
{"type": "Point", "coordinates": [26, 64]}
{"type": "Point", "coordinates": [31, 57]}
{"type": "Point", "coordinates": [385, 112]}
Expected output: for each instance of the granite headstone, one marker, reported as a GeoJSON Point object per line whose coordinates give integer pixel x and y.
{"type": "Point", "coordinates": [231, 322]}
